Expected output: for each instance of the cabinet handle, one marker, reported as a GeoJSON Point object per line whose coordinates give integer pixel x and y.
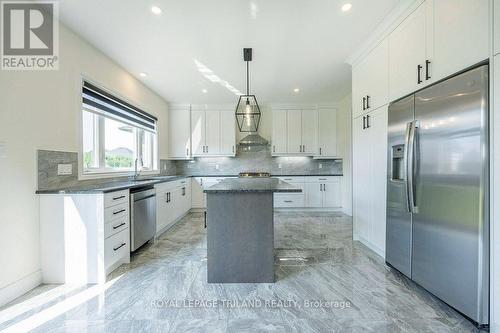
{"type": "Point", "coordinates": [116, 248]}
{"type": "Point", "coordinates": [304, 148]}
{"type": "Point", "coordinates": [427, 71]}
{"type": "Point", "coordinates": [322, 179]}
{"type": "Point", "coordinates": [419, 68]}
{"type": "Point", "coordinates": [288, 201]}
{"type": "Point", "coordinates": [364, 101]}
{"type": "Point", "coordinates": [320, 187]}
{"type": "Point", "coordinates": [320, 150]}
{"type": "Point", "coordinates": [118, 198]}
{"type": "Point", "coordinates": [368, 121]}
{"type": "Point", "coordinates": [364, 122]}
{"type": "Point", "coordinates": [207, 149]}
{"type": "Point", "coordinates": [287, 178]}
{"type": "Point", "coordinates": [118, 212]}
{"type": "Point", "coordinates": [233, 149]}
{"type": "Point", "coordinates": [187, 151]}
{"type": "Point", "coordinates": [324, 187]}
{"type": "Point", "coordinates": [367, 102]}
{"type": "Point", "coordinates": [274, 149]}
{"type": "Point", "coordinates": [183, 191]}
{"type": "Point", "coordinates": [116, 227]}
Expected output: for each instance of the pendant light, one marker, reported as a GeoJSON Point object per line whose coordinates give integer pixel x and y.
{"type": "Point", "coordinates": [247, 110]}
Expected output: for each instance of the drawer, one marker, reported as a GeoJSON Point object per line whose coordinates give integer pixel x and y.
{"type": "Point", "coordinates": [115, 212]}
{"type": "Point", "coordinates": [292, 179]}
{"type": "Point", "coordinates": [288, 200]}
{"type": "Point", "coordinates": [116, 198]}
{"type": "Point", "coordinates": [116, 247]}
{"type": "Point", "coordinates": [115, 226]}
{"type": "Point", "coordinates": [324, 179]}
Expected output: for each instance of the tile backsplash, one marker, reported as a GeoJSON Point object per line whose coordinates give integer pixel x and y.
{"type": "Point", "coordinates": [49, 160]}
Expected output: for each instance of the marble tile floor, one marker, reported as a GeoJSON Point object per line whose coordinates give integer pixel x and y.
{"type": "Point", "coordinates": [325, 283]}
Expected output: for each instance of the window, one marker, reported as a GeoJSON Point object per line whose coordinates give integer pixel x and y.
{"type": "Point", "coordinates": [116, 135]}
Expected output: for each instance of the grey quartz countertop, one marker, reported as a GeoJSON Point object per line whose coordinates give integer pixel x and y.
{"type": "Point", "coordinates": [111, 186]}
{"type": "Point", "coordinates": [238, 185]}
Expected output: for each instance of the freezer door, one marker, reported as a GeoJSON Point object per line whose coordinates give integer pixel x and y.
{"type": "Point", "coordinates": [398, 228]}
{"type": "Point", "coordinates": [450, 223]}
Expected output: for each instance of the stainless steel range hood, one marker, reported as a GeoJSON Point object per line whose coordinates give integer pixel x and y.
{"type": "Point", "coordinates": [253, 142]}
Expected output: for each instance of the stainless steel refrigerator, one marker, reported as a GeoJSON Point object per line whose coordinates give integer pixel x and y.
{"type": "Point", "coordinates": [437, 191]}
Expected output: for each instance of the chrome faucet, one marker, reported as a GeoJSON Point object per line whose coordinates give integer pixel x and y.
{"type": "Point", "coordinates": [137, 172]}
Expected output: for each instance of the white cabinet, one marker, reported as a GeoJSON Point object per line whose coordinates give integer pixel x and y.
{"type": "Point", "coordinates": [460, 36]}
{"type": "Point", "coordinates": [179, 123]}
{"type": "Point", "coordinates": [212, 132]}
{"type": "Point", "coordinates": [496, 30]}
{"type": "Point", "coordinates": [370, 80]}
{"type": "Point", "coordinates": [369, 178]}
{"type": "Point", "coordinates": [83, 237]}
{"type": "Point", "coordinates": [173, 201]}
{"type": "Point", "coordinates": [327, 133]}
{"type": "Point", "coordinates": [291, 200]}
{"type": "Point", "coordinates": [323, 192]}
{"type": "Point", "coordinates": [295, 132]}
{"type": "Point", "coordinates": [407, 54]}
{"type": "Point", "coordinates": [279, 132]}
{"type": "Point", "coordinates": [440, 38]}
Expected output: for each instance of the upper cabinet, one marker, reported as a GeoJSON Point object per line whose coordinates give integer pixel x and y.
{"type": "Point", "coordinates": [327, 133]}
{"type": "Point", "coordinates": [407, 54]}
{"type": "Point", "coordinates": [370, 80]}
{"type": "Point", "coordinates": [461, 35]}
{"type": "Point", "coordinates": [439, 38]}
{"type": "Point", "coordinates": [213, 132]}
{"type": "Point", "coordinates": [179, 120]}
{"type": "Point", "coordinates": [295, 132]}
{"type": "Point", "coordinates": [496, 30]}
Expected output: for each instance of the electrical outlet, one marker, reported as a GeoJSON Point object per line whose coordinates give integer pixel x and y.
{"type": "Point", "coordinates": [216, 167]}
{"type": "Point", "coordinates": [64, 169]}
{"type": "Point", "coordinates": [279, 165]}
{"type": "Point", "coordinates": [320, 166]}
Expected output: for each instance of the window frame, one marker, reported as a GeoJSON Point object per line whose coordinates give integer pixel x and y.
{"type": "Point", "coordinates": [99, 142]}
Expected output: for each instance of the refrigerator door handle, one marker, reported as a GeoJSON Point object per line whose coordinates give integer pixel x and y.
{"type": "Point", "coordinates": [412, 159]}
{"type": "Point", "coordinates": [406, 164]}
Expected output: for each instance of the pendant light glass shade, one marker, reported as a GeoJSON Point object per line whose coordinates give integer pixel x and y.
{"type": "Point", "coordinates": [248, 113]}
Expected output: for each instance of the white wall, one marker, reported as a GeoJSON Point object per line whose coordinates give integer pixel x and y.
{"type": "Point", "coordinates": [41, 110]}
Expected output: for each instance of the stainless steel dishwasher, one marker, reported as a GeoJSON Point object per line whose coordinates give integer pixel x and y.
{"type": "Point", "coordinates": [142, 216]}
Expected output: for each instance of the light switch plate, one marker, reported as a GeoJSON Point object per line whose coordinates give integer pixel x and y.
{"type": "Point", "coordinates": [64, 169]}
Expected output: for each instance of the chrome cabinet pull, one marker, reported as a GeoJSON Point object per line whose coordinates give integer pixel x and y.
{"type": "Point", "coordinates": [116, 227]}
{"type": "Point", "coordinates": [116, 248]}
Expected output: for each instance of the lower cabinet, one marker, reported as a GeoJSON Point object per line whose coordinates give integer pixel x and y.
{"type": "Point", "coordinates": [83, 237]}
{"type": "Point", "coordinates": [173, 200]}
{"type": "Point", "coordinates": [317, 192]}
{"type": "Point", "coordinates": [370, 179]}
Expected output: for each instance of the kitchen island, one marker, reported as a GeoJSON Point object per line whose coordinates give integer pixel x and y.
{"type": "Point", "coordinates": [240, 235]}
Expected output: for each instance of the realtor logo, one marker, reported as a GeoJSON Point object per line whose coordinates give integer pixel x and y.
{"type": "Point", "coordinates": [30, 35]}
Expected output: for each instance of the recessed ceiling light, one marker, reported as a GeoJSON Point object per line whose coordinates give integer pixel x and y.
{"type": "Point", "coordinates": [346, 7]}
{"type": "Point", "coordinates": [142, 74]}
{"type": "Point", "coordinates": [156, 10]}
{"type": "Point", "coordinates": [204, 91]}
{"type": "Point", "coordinates": [296, 90]}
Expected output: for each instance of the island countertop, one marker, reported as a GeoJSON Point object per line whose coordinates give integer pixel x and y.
{"type": "Point", "coordinates": [235, 185]}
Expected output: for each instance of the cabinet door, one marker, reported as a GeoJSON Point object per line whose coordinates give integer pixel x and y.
{"type": "Point", "coordinates": [496, 22]}
{"type": "Point", "coordinates": [376, 76]}
{"type": "Point", "coordinates": [279, 131]}
{"type": "Point", "coordinates": [212, 138]}
{"type": "Point", "coordinates": [314, 194]}
{"type": "Point", "coordinates": [361, 180]}
{"type": "Point", "coordinates": [176, 202]}
{"type": "Point", "coordinates": [309, 131]}
{"type": "Point", "coordinates": [332, 195]}
{"type": "Point", "coordinates": [198, 131]}
{"type": "Point", "coordinates": [378, 177]}
{"type": "Point", "coordinates": [358, 89]}
{"type": "Point", "coordinates": [461, 35]}
{"type": "Point", "coordinates": [294, 131]}
{"type": "Point", "coordinates": [407, 50]}
{"type": "Point", "coordinates": [227, 133]}
{"type": "Point", "coordinates": [197, 196]}
{"type": "Point", "coordinates": [179, 124]}
{"type": "Point", "coordinates": [327, 132]}
{"type": "Point", "coordinates": [161, 210]}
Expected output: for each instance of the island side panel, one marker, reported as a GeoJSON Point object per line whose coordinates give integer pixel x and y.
{"type": "Point", "coordinates": [240, 237]}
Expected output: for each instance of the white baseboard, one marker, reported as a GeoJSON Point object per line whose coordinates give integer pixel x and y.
{"type": "Point", "coordinates": [369, 245]}
{"type": "Point", "coordinates": [20, 287]}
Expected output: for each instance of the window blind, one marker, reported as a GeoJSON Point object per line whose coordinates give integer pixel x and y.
{"type": "Point", "coordinates": [99, 101]}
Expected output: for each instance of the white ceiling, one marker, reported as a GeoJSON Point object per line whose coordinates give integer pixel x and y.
{"type": "Point", "coordinates": [297, 44]}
